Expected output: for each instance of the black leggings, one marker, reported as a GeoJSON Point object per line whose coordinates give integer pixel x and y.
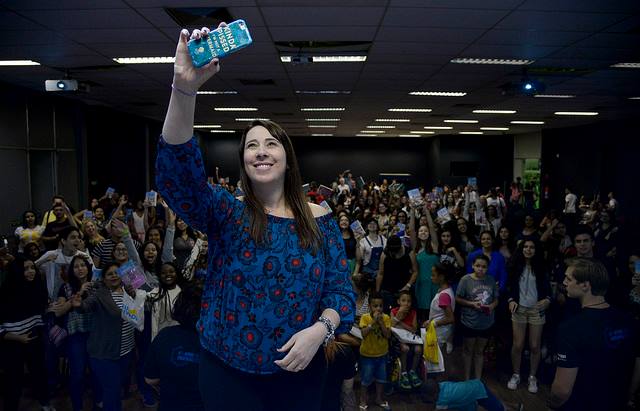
{"type": "Point", "coordinates": [15, 356]}
{"type": "Point", "coordinates": [225, 388]}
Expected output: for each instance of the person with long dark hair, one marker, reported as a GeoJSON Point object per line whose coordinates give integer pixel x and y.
{"type": "Point", "coordinates": [111, 341]}
{"type": "Point", "coordinates": [78, 326]}
{"type": "Point", "coordinates": [278, 285]}
{"type": "Point", "coordinates": [529, 297]}
{"type": "Point", "coordinates": [29, 231]}
{"type": "Point", "coordinates": [23, 301]}
{"type": "Point", "coordinates": [497, 265]}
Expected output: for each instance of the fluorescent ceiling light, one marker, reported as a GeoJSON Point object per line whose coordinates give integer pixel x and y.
{"type": "Point", "coordinates": [251, 119]}
{"type": "Point", "coordinates": [322, 109]}
{"type": "Point", "coordinates": [512, 62]}
{"type": "Point", "coordinates": [409, 135]}
{"type": "Point", "coordinates": [322, 119]}
{"type": "Point", "coordinates": [328, 59]}
{"type": "Point", "coordinates": [235, 109]}
{"type": "Point", "coordinates": [218, 92]}
{"type": "Point", "coordinates": [526, 122]}
{"type": "Point", "coordinates": [461, 121]}
{"type": "Point", "coordinates": [321, 135]}
{"type": "Point", "coordinates": [321, 126]}
{"type": "Point", "coordinates": [576, 113]}
{"type": "Point", "coordinates": [145, 60]}
{"type": "Point", "coordinates": [494, 128]}
{"type": "Point", "coordinates": [381, 126]}
{"type": "Point", "coordinates": [18, 63]}
{"type": "Point", "coordinates": [222, 131]}
{"type": "Point", "coordinates": [626, 65]}
{"type": "Point", "coordinates": [339, 59]}
{"type": "Point", "coordinates": [634, 98]}
{"type": "Point", "coordinates": [372, 131]}
{"type": "Point", "coordinates": [471, 132]}
{"type": "Point", "coordinates": [439, 93]}
{"type": "Point", "coordinates": [393, 120]}
{"type": "Point", "coordinates": [411, 110]}
{"type": "Point", "coordinates": [438, 128]}
{"type": "Point", "coordinates": [494, 111]}
{"type": "Point", "coordinates": [207, 126]}
{"type": "Point", "coordinates": [323, 92]}
{"type": "Point", "coordinates": [422, 132]}
{"type": "Point", "coordinates": [365, 135]}
{"type": "Point", "coordinates": [554, 96]}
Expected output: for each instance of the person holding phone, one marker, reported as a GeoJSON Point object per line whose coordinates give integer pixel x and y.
{"type": "Point", "coordinates": [23, 301]}
{"type": "Point", "coordinates": [278, 283]}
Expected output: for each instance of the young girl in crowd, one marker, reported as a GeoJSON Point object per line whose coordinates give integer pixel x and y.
{"type": "Point", "coordinates": [497, 266]}
{"type": "Point", "coordinates": [505, 243]}
{"type": "Point", "coordinates": [370, 250]}
{"type": "Point", "coordinates": [23, 300]}
{"type": "Point", "coordinates": [424, 255]}
{"type": "Point", "coordinates": [111, 339]}
{"type": "Point", "coordinates": [350, 242]}
{"type": "Point", "coordinates": [468, 241]}
{"type": "Point", "coordinates": [529, 297]}
{"type": "Point", "coordinates": [162, 299]}
{"type": "Point", "coordinates": [448, 250]}
{"type": "Point", "coordinates": [477, 294]}
{"type": "Point", "coordinates": [92, 236]}
{"type": "Point", "coordinates": [405, 317]}
{"type": "Point", "coordinates": [29, 231]}
{"type": "Point", "coordinates": [442, 308]}
{"type": "Point", "coordinates": [78, 326]}
{"type": "Point", "coordinates": [376, 330]}
{"type": "Point", "coordinates": [185, 240]}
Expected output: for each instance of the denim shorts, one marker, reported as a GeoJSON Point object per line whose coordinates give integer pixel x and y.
{"type": "Point", "coordinates": [373, 369]}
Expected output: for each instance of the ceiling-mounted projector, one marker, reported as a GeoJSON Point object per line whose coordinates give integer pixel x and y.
{"type": "Point", "coordinates": [61, 85]}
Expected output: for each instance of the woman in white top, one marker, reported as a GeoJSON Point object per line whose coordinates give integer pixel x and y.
{"type": "Point", "coordinates": [369, 251]}
{"type": "Point", "coordinates": [529, 297]}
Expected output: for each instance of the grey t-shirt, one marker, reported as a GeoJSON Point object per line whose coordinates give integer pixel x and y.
{"type": "Point", "coordinates": [485, 291]}
{"type": "Point", "coordinates": [528, 288]}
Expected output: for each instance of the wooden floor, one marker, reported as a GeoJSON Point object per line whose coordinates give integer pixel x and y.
{"type": "Point", "coordinates": [400, 401]}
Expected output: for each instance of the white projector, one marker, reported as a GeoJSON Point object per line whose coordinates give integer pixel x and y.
{"type": "Point", "coordinates": [61, 85]}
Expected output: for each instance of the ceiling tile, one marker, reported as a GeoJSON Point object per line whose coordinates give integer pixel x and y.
{"type": "Point", "coordinates": [322, 16]}
{"type": "Point", "coordinates": [540, 20]}
{"type": "Point", "coordinates": [447, 18]}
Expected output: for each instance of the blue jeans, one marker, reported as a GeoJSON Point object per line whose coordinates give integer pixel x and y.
{"type": "Point", "coordinates": [78, 361]}
{"type": "Point", "coordinates": [111, 374]}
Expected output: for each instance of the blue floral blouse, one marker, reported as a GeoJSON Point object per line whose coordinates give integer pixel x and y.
{"type": "Point", "coordinates": [255, 296]}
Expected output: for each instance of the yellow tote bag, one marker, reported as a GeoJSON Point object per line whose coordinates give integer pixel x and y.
{"type": "Point", "coordinates": [430, 352]}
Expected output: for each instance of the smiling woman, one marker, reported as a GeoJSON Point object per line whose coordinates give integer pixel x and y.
{"type": "Point", "coordinates": [278, 284]}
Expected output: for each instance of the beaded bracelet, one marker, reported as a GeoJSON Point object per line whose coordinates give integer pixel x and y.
{"type": "Point", "coordinates": [330, 330]}
{"type": "Point", "coordinates": [186, 93]}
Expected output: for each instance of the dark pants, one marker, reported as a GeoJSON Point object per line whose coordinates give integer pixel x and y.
{"type": "Point", "coordinates": [110, 375]}
{"type": "Point", "coordinates": [16, 355]}
{"type": "Point", "coordinates": [78, 362]}
{"type": "Point", "coordinates": [225, 388]}
{"type": "Point", "coordinates": [143, 342]}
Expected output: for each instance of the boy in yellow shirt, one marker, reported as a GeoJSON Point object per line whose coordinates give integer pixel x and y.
{"type": "Point", "coordinates": [376, 330]}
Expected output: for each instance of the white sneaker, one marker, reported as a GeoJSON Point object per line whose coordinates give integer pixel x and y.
{"type": "Point", "coordinates": [533, 384]}
{"type": "Point", "coordinates": [449, 347]}
{"type": "Point", "coordinates": [513, 382]}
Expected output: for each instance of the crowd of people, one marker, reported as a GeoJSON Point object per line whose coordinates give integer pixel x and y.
{"type": "Point", "coordinates": [500, 281]}
{"type": "Point", "coordinates": [307, 289]}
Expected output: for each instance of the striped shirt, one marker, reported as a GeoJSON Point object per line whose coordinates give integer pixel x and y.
{"type": "Point", "coordinates": [126, 337]}
{"type": "Point", "coordinates": [22, 327]}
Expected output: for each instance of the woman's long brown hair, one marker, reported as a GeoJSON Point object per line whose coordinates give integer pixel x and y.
{"type": "Point", "coordinates": [306, 227]}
